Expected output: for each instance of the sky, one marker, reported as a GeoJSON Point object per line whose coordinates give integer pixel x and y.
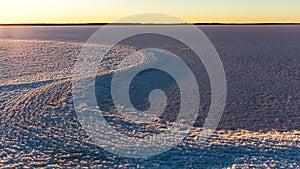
{"type": "Point", "coordinates": [192, 11]}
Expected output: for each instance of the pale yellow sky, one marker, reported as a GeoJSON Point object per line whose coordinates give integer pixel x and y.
{"type": "Point", "coordinates": [91, 11]}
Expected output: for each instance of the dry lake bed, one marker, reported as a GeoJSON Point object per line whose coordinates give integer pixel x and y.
{"type": "Point", "coordinates": [259, 128]}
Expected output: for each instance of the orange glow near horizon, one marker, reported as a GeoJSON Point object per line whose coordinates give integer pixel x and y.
{"type": "Point", "coordinates": [97, 11]}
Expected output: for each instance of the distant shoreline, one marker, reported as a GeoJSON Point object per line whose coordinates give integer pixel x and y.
{"type": "Point", "coordinates": [101, 24]}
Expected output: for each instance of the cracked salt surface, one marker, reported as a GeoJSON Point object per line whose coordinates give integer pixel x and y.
{"type": "Point", "coordinates": [39, 127]}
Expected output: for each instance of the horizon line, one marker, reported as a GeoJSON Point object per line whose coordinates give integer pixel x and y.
{"type": "Point", "coordinates": [196, 23]}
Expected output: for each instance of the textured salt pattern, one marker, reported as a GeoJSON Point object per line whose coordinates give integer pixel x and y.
{"type": "Point", "coordinates": [39, 127]}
